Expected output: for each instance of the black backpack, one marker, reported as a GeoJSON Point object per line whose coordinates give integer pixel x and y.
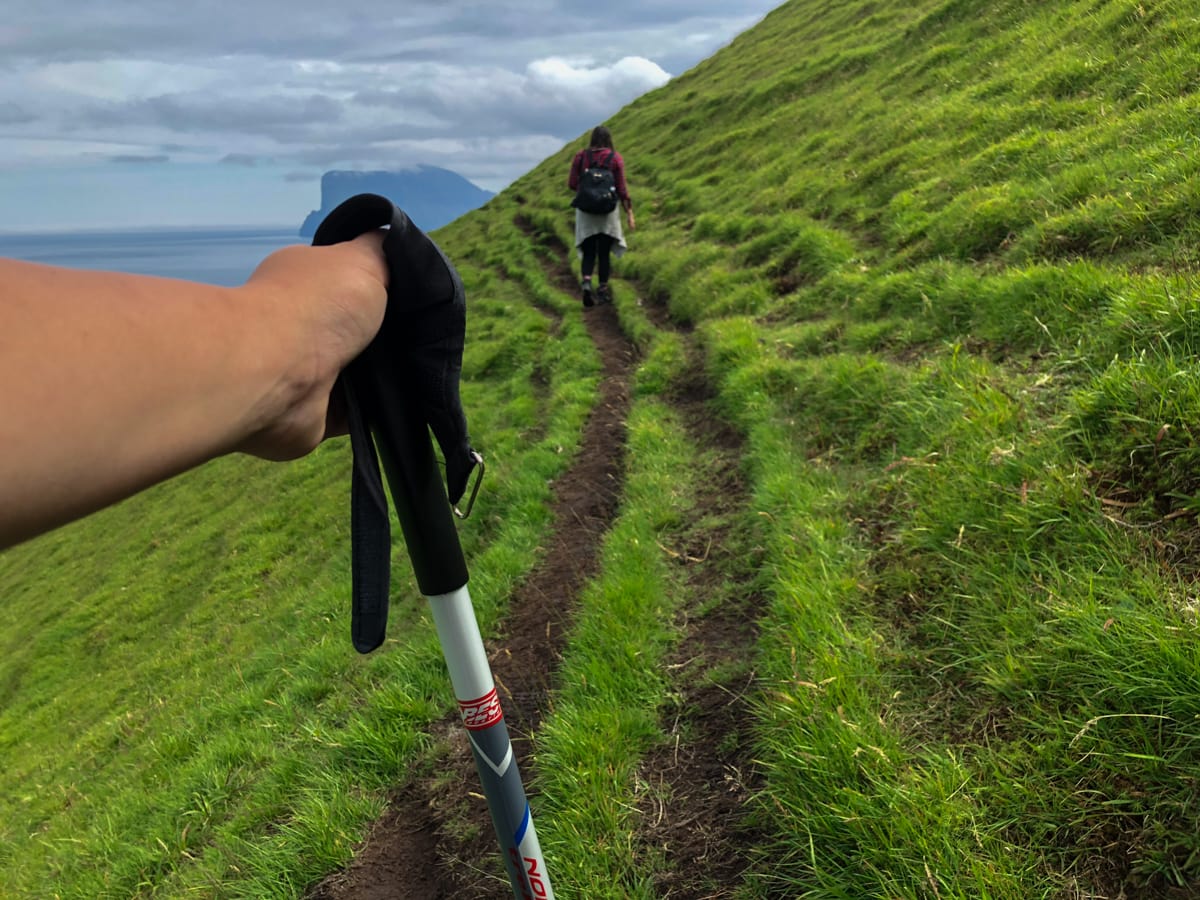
{"type": "Point", "coordinates": [597, 191]}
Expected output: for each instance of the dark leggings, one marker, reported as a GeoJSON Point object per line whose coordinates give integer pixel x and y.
{"type": "Point", "coordinates": [596, 245]}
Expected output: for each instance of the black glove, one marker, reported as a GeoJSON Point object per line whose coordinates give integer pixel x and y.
{"type": "Point", "coordinates": [403, 384]}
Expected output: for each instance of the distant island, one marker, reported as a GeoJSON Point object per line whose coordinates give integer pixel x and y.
{"type": "Point", "coordinates": [432, 197]}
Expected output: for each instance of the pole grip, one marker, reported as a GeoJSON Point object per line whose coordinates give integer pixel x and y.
{"type": "Point", "coordinates": [402, 386]}
{"type": "Point", "coordinates": [413, 476]}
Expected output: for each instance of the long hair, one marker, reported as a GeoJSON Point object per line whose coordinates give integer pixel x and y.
{"type": "Point", "coordinates": [601, 137]}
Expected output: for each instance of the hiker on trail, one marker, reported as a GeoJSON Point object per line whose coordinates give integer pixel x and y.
{"type": "Point", "coordinates": [598, 178]}
{"type": "Point", "coordinates": [115, 382]}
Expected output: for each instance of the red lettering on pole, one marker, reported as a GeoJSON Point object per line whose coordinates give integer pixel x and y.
{"type": "Point", "coordinates": [516, 861]}
{"type": "Point", "coordinates": [535, 878]}
{"type": "Point", "coordinates": [482, 713]}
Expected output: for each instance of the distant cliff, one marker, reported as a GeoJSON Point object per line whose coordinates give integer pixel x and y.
{"type": "Point", "coordinates": [432, 197]}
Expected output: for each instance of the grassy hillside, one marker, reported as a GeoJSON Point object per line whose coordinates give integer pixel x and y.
{"type": "Point", "coordinates": [936, 263]}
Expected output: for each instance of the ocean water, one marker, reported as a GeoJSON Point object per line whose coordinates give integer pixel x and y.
{"type": "Point", "coordinates": [224, 256]}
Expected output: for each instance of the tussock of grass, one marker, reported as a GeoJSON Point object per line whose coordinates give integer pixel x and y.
{"type": "Point", "coordinates": [611, 680]}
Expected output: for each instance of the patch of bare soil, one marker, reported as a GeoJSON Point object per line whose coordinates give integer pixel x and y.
{"type": "Point", "coordinates": [696, 786]}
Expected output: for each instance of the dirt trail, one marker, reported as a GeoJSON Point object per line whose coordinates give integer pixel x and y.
{"type": "Point", "coordinates": [429, 843]}
{"type": "Point", "coordinates": [697, 786]}
{"type": "Point", "coordinates": [436, 841]}
{"type": "Point", "coordinates": [694, 789]}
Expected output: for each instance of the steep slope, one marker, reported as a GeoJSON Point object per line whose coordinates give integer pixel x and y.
{"type": "Point", "coordinates": [901, 576]}
{"type": "Point", "coordinates": [941, 262]}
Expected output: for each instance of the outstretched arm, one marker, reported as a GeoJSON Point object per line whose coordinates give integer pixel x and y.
{"type": "Point", "coordinates": [114, 382]}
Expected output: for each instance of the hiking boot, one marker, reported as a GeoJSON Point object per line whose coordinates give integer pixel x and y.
{"type": "Point", "coordinates": [587, 294]}
{"type": "Point", "coordinates": [604, 295]}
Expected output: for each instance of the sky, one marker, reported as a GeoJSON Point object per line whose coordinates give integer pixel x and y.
{"type": "Point", "coordinates": [141, 113]}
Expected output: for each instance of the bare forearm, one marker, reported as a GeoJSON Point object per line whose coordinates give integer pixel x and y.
{"type": "Point", "coordinates": [123, 381]}
{"type": "Point", "coordinates": [115, 382]}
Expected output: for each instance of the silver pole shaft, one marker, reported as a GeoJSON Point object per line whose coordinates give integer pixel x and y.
{"type": "Point", "coordinates": [471, 676]}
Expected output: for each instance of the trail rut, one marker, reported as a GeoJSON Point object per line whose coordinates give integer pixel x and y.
{"type": "Point", "coordinates": [419, 847]}
{"type": "Point", "coordinates": [694, 787]}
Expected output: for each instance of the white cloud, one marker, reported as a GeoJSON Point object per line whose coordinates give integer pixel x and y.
{"type": "Point", "coordinates": [119, 79]}
{"type": "Point", "coordinates": [630, 74]}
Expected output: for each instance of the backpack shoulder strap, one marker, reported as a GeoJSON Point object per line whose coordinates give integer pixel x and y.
{"type": "Point", "coordinates": [606, 163]}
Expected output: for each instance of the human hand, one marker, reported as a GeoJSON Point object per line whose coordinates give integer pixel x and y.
{"type": "Point", "coordinates": [629, 218]}
{"type": "Point", "coordinates": [319, 308]}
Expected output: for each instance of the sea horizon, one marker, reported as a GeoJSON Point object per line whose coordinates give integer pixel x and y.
{"type": "Point", "coordinates": [211, 254]}
{"type": "Point", "coordinates": [13, 231]}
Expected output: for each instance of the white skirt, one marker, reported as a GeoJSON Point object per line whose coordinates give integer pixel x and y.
{"type": "Point", "coordinates": [588, 224]}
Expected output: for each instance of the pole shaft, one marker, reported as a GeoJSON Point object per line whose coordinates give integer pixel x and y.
{"type": "Point", "coordinates": [479, 705]}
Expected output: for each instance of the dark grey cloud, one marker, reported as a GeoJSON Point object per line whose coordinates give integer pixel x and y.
{"type": "Point", "coordinates": [75, 29]}
{"type": "Point", "coordinates": [15, 114]}
{"type": "Point", "coordinates": [280, 116]}
{"type": "Point", "coordinates": [471, 86]}
{"type": "Point", "coordinates": [139, 158]}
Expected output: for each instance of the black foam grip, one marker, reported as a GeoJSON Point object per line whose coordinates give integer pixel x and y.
{"type": "Point", "coordinates": [404, 384]}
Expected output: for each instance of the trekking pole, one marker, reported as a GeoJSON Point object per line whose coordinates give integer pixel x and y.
{"type": "Point", "coordinates": [429, 532]}
{"type": "Point", "coordinates": [404, 384]}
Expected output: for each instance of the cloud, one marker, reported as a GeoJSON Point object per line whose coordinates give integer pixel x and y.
{"type": "Point", "coordinates": [484, 90]}
{"type": "Point", "coordinates": [240, 159]}
{"type": "Point", "coordinates": [15, 114]}
{"type": "Point", "coordinates": [626, 78]}
{"type": "Point", "coordinates": [464, 30]}
{"type": "Point", "coordinates": [139, 158]}
{"type": "Point", "coordinates": [281, 116]}
{"type": "Point", "coordinates": [552, 96]}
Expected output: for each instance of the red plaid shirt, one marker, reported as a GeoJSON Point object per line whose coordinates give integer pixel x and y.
{"type": "Point", "coordinates": [601, 156]}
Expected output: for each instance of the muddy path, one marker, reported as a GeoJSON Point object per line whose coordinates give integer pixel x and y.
{"type": "Point", "coordinates": [435, 840]}
{"type": "Point", "coordinates": [429, 843]}
{"type": "Point", "coordinates": [697, 785]}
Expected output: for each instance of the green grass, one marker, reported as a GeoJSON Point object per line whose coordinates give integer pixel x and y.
{"type": "Point", "coordinates": [939, 260]}
{"type": "Point", "coordinates": [182, 709]}
{"type": "Point", "coordinates": [612, 682]}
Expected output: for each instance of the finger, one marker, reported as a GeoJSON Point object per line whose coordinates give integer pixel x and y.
{"type": "Point", "coordinates": [369, 247]}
